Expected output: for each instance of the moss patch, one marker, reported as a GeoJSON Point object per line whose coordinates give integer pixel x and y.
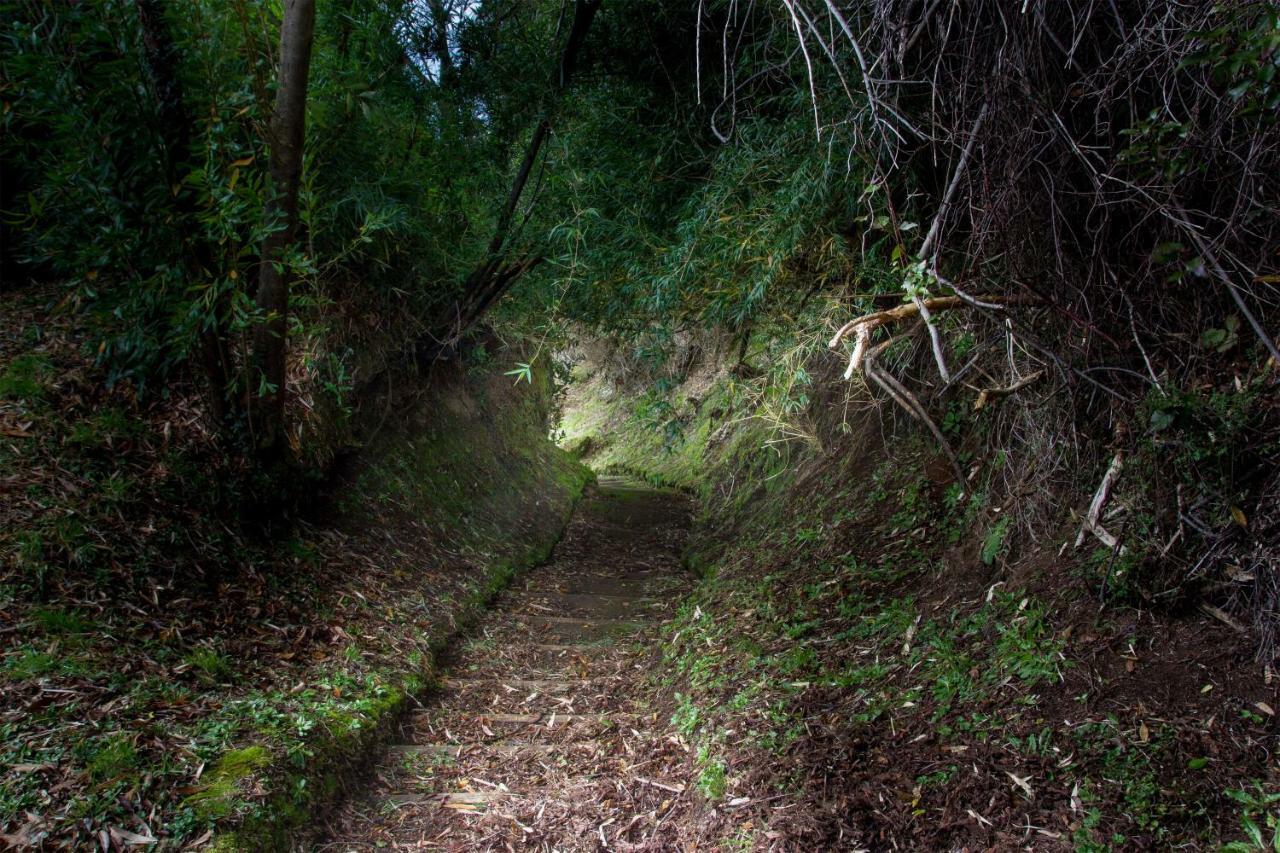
{"type": "Point", "coordinates": [220, 795]}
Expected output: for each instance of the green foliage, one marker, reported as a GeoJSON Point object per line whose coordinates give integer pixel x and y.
{"type": "Point", "coordinates": [113, 756]}
{"type": "Point", "coordinates": [211, 665]}
{"type": "Point", "coordinates": [766, 209]}
{"type": "Point", "coordinates": [1259, 820]}
{"type": "Point", "coordinates": [157, 227]}
{"type": "Point", "coordinates": [994, 542]}
{"type": "Point", "coordinates": [1243, 56]}
{"type": "Point", "coordinates": [56, 621]}
{"type": "Point", "coordinates": [712, 775]}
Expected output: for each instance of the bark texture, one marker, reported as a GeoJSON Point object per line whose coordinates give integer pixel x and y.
{"type": "Point", "coordinates": [288, 131]}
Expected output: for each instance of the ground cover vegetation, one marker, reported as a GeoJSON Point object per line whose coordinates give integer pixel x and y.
{"type": "Point", "coordinates": [1025, 253]}
{"type": "Point", "coordinates": [171, 668]}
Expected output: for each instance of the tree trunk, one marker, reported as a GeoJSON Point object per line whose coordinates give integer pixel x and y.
{"type": "Point", "coordinates": [441, 17]}
{"type": "Point", "coordinates": [288, 126]}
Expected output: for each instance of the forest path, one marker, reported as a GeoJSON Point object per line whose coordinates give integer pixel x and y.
{"type": "Point", "coordinates": [544, 735]}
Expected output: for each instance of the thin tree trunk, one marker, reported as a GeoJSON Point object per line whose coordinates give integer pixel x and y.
{"type": "Point", "coordinates": [441, 16]}
{"type": "Point", "coordinates": [288, 126]}
{"type": "Point", "coordinates": [584, 11]}
{"type": "Point", "coordinates": [493, 275]}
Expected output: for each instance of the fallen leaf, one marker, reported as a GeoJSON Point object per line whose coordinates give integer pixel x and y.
{"type": "Point", "coordinates": [1023, 782]}
{"type": "Point", "coordinates": [133, 839]}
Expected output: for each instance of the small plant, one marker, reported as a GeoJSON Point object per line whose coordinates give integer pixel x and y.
{"type": "Point", "coordinates": [210, 665]}
{"type": "Point", "coordinates": [1259, 819]}
{"type": "Point", "coordinates": [522, 372]}
{"type": "Point", "coordinates": [24, 379]}
{"type": "Point", "coordinates": [993, 544]}
{"type": "Point", "coordinates": [30, 663]}
{"type": "Point", "coordinates": [686, 715]}
{"type": "Point", "coordinates": [56, 621]}
{"type": "Point", "coordinates": [115, 756]}
{"type": "Point", "coordinates": [713, 778]}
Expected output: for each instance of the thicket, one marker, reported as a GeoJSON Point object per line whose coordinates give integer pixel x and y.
{"type": "Point", "coordinates": [140, 145]}
{"type": "Point", "coordinates": [1045, 233]}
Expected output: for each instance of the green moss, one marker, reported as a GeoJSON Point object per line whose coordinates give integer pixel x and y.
{"type": "Point", "coordinates": [104, 429]}
{"type": "Point", "coordinates": [55, 621]}
{"type": "Point", "coordinates": [112, 757]}
{"type": "Point", "coordinates": [219, 795]}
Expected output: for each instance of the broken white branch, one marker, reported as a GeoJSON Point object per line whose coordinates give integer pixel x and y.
{"type": "Point", "coordinates": [933, 304]}
{"type": "Point", "coordinates": [934, 338]}
{"type": "Point", "coordinates": [1091, 524]}
{"type": "Point", "coordinates": [861, 339]}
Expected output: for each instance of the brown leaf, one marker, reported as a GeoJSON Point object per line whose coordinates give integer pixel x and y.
{"type": "Point", "coordinates": [130, 839]}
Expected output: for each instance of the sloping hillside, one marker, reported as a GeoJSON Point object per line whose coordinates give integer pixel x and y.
{"type": "Point", "coordinates": [877, 659]}
{"type": "Point", "coordinates": [172, 664]}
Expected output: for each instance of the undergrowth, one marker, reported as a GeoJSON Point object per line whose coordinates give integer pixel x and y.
{"type": "Point", "coordinates": [168, 669]}
{"type": "Point", "coordinates": [868, 630]}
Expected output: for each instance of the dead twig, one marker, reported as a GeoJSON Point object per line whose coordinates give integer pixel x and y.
{"type": "Point", "coordinates": [933, 304]}
{"type": "Point", "coordinates": [987, 395]}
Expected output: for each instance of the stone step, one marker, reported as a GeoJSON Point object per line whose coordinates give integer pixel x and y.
{"type": "Point", "coordinates": [629, 591]}
{"type": "Point", "coordinates": [517, 685]}
{"type": "Point", "coordinates": [660, 585]}
{"type": "Point", "coordinates": [500, 747]}
{"type": "Point", "coordinates": [581, 605]}
{"type": "Point", "coordinates": [587, 620]}
{"type": "Point", "coordinates": [462, 800]}
{"type": "Point", "coordinates": [568, 629]}
{"type": "Point", "coordinates": [531, 719]}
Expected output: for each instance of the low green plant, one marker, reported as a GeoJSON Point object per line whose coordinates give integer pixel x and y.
{"type": "Point", "coordinates": [713, 775]}
{"type": "Point", "coordinates": [56, 621]}
{"type": "Point", "coordinates": [210, 665]}
{"type": "Point", "coordinates": [25, 378]}
{"type": "Point", "coordinates": [111, 757]}
{"type": "Point", "coordinates": [1259, 820]}
{"type": "Point", "coordinates": [993, 543]}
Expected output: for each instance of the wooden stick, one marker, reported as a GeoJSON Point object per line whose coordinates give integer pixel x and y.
{"type": "Point", "coordinates": [907, 400]}
{"type": "Point", "coordinates": [986, 395]}
{"type": "Point", "coordinates": [933, 304]}
{"type": "Point", "coordinates": [936, 228]}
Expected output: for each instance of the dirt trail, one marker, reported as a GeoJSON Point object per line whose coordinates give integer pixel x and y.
{"type": "Point", "coordinates": [544, 735]}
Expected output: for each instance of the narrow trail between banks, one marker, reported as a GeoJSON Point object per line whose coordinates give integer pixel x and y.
{"type": "Point", "coordinates": [544, 734]}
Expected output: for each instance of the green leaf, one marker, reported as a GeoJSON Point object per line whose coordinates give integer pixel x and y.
{"type": "Point", "coordinates": [1252, 830]}
{"type": "Point", "coordinates": [521, 371]}
{"type": "Point", "coordinates": [1213, 337]}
